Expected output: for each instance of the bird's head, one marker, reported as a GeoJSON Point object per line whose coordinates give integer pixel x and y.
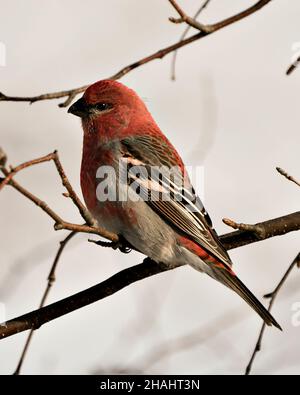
{"type": "Point", "coordinates": [108, 107]}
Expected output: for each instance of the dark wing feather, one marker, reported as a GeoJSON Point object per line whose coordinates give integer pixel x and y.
{"type": "Point", "coordinates": [184, 210]}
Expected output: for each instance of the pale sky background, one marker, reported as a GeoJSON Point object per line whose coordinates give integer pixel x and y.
{"type": "Point", "coordinates": [231, 109]}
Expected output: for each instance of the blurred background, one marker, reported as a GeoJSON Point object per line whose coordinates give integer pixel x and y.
{"type": "Point", "coordinates": [231, 110]}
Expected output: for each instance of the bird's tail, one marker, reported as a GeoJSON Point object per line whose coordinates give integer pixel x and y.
{"type": "Point", "coordinates": [229, 279]}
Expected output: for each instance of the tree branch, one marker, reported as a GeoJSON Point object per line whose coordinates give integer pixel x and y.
{"type": "Point", "coordinates": [129, 276]}
{"type": "Point", "coordinates": [182, 37]}
{"type": "Point", "coordinates": [108, 287]}
{"type": "Point", "coordinates": [273, 296]}
{"type": "Point", "coordinates": [51, 279]}
{"type": "Point", "coordinates": [248, 234]}
{"type": "Point", "coordinates": [293, 66]}
{"type": "Point", "coordinates": [59, 223]}
{"type": "Point", "coordinates": [208, 29]}
{"type": "Point", "coordinates": [189, 20]}
{"type": "Point", "coordinates": [287, 176]}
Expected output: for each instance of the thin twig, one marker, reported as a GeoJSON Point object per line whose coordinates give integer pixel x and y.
{"type": "Point", "coordinates": [273, 296]}
{"type": "Point", "coordinates": [287, 176]}
{"type": "Point", "coordinates": [72, 194]}
{"type": "Point", "coordinates": [50, 280]}
{"type": "Point", "coordinates": [35, 319]}
{"type": "Point", "coordinates": [187, 19]}
{"type": "Point", "coordinates": [72, 93]}
{"type": "Point", "coordinates": [187, 29]}
{"type": "Point", "coordinates": [3, 158]}
{"type": "Point", "coordinates": [293, 66]}
{"type": "Point", "coordinates": [267, 229]}
{"type": "Point", "coordinates": [110, 286]}
{"type": "Point", "coordinates": [60, 224]}
{"type": "Point", "coordinates": [248, 234]}
{"type": "Point", "coordinates": [13, 171]}
{"type": "Point", "coordinates": [255, 229]}
{"type": "Point", "coordinates": [208, 29]}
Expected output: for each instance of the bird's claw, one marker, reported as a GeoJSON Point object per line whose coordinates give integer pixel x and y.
{"type": "Point", "coordinates": [121, 244]}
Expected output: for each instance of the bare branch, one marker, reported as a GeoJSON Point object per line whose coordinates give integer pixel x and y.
{"type": "Point", "coordinates": [209, 29]}
{"type": "Point", "coordinates": [255, 229]}
{"type": "Point", "coordinates": [60, 224]}
{"type": "Point", "coordinates": [72, 194]}
{"type": "Point", "coordinates": [293, 67]}
{"type": "Point", "coordinates": [3, 158]}
{"type": "Point", "coordinates": [124, 278]}
{"type": "Point", "coordinates": [287, 176]}
{"type": "Point", "coordinates": [248, 234]}
{"type": "Point", "coordinates": [51, 280]}
{"type": "Point", "coordinates": [187, 19]}
{"type": "Point", "coordinates": [245, 235]}
{"type": "Point", "coordinates": [273, 296]}
{"type": "Point", "coordinates": [108, 287]}
{"type": "Point", "coordinates": [13, 171]}
{"type": "Point", "coordinates": [69, 94]}
{"type": "Point", "coordinates": [173, 62]}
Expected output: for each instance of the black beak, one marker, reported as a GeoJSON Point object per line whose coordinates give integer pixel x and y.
{"type": "Point", "coordinates": [79, 108]}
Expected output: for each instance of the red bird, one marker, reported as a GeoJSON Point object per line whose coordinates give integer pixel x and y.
{"type": "Point", "coordinates": [121, 135]}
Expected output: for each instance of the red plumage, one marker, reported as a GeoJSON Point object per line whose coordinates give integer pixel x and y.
{"type": "Point", "coordinates": [119, 128]}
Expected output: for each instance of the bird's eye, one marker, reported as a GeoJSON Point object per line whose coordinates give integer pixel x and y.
{"type": "Point", "coordinates": [102, 106]}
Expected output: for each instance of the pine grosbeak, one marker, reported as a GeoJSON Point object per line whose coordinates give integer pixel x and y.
{"type": "Point", "coordinates": [118, 128]}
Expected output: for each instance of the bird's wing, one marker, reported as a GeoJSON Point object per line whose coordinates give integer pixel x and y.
{"type": "Point", "coordinates": [183, 210]}
{"type": "Point", "coordinates": [177, 202]}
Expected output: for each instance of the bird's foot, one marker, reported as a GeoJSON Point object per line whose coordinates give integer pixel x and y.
{"type": "Point", "coordinates": [121, 244]}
